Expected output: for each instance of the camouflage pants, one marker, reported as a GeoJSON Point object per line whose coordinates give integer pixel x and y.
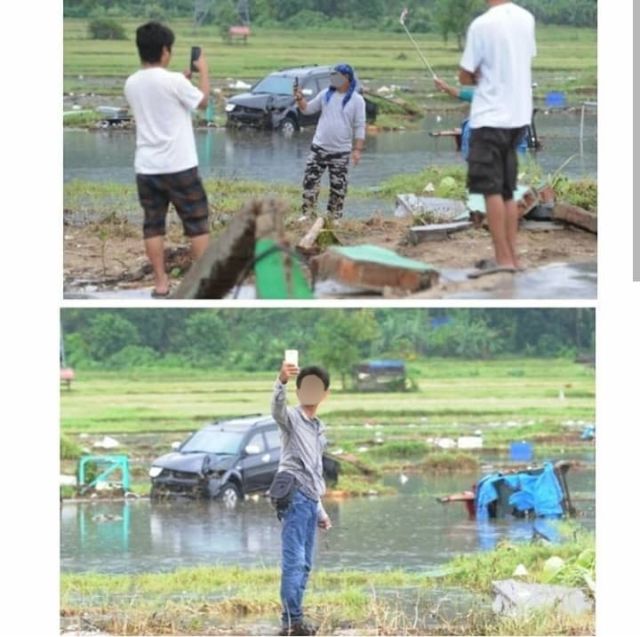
{"type": "Point", "coordinates": [318, 161]}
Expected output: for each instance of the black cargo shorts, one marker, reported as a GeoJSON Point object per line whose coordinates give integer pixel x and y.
{"type": "Point", "coordinates": [493, 161]}
{"type": "Point", "coordinates": [185, 191]}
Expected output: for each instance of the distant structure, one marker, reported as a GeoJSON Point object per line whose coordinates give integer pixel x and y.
{"type": "Point", "coordinates": [201, 11]}
{"type": "Point", "coordinates": [243, 12]}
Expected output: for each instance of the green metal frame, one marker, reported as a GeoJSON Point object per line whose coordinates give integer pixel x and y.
{"type": "Point", "coordinates": [112, 463]}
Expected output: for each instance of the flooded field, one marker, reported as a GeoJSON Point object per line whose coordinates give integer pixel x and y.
{"type": "Point", "coordinates": [410, 531]}
{"type": "Point", "coordinates": [108, 155]}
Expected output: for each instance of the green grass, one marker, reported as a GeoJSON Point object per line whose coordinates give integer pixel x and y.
{"type": "Point", "coordinates": [161, 603]}
{"type": "Point", "coordinates": [566, 56]}
{"type": "Point", "coordinates": [477, 571]}
{"type": "Point", "coordinates": [450, 393]}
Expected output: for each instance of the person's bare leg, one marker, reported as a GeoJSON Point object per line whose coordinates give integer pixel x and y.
{"type": "Point", "coordinates": [512, 230]}
{"type": "Point", "coordinates": [198, 246]}
{"type": "Point", "coordinates": [154, 248]}
{"type": "Point", "coordinates": [497, 218]}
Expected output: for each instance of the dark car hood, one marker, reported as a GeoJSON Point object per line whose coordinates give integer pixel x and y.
{"type": "Point", "coordinates": [260, 101]}
{"type": "Point", "coordinates": [194, 462]}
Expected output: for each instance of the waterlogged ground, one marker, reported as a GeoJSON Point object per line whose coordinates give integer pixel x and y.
{"type": "Point", "coordinates": [410, 531]}
{"type": "Point", "coordinates": [108, 155]}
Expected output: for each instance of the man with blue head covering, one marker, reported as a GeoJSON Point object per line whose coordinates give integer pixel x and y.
{"type": "Point", "coordinates": [342, 119]}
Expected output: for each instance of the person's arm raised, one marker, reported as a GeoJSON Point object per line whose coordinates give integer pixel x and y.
{"type": "Point", "coordinates": [279, 400]}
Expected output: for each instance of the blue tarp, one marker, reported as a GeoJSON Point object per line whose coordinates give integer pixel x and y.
{"type": "Point", "coordinates": [540, 493]}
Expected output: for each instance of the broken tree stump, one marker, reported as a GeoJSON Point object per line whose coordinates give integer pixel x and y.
{"type": "Point", "coordinates": [373, 268]}
{"type": "Point", "coordinates": [436, 231]}
{"type": "Point", "coordinates": [576, 216]}
{"type": "Point", "coordinates": [215, 274]}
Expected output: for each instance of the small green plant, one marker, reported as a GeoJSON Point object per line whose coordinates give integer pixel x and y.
{"type": "Point", "coordinates": [69, 450]}
{"type": "Point", "coordinates": [106, 29]}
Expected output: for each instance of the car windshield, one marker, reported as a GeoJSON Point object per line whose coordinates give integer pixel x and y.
{"type": "Point", "coordinates": [275, 85]}
{"type": "Point", "coordinates": [214, 441]}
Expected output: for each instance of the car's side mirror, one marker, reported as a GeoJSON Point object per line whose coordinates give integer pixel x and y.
{"type": "Point", "coordinates": [252, 450]}
{"type": "Point", "coordinates": [176, 445]}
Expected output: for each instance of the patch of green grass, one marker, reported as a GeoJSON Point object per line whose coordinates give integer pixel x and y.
{"type": "Point", "coordinates": [453, 397]}
{"type": "Point", "coordinates": [81, 119]}
{"type": "Point", "coordinates": [69, 449]}
{"type": "Point", "coordinates": [567, 57]}
{"type": "Point", "coordinates": [477, 571]}
{"type": "Point", "coordinates": [439, 177]}
{"type": "Point", "coordinates": [448, 462]}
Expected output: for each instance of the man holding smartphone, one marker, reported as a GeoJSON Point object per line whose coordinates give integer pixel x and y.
{"type": "Point", "coordinates": [166, 161]}
{"type": "Point", "coordinates": [303, 443]}
{"type": "Point", "coordinates": [343, 119]}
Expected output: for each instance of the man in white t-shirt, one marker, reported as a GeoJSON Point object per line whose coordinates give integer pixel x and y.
{"type": "Point", "coordinates": [166, 161]}
{"type": "Point", "coordinates": [497, 60]}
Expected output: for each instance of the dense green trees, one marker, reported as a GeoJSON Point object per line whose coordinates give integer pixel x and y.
{"type": "Point", "coordinates": [444, 16]}
{"type": "Point", "coordinates": [254, 340]}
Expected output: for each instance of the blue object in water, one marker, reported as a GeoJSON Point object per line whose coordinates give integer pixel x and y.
{"type": "Point", "coordinates": [521, 451]}
{"type": "Point", "coordinates": [529, 491]}
{"type": "Point", "coordinates": [589, 433]}
{"type": "Point", "coordinates": [556, 99]}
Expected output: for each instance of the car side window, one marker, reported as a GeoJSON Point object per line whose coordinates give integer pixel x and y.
{"type": "Point", "coordinates": [310, 85]}
{"type": "Point", "coordinates": [257, 440]}
{"type": "Point", "coordinates": [323, 82]}
{"type": "Point", "coordinates": [273, 438]}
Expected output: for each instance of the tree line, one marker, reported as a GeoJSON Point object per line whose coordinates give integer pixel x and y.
{"type": "Point", "coordinates": [255, 339]}
{"type": "Point", "coordinates": [438, 16]}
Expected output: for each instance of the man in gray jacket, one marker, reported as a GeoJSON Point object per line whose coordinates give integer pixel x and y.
{"type": "Point", "coordinates": [343, 118]}
{"type": "Point", "coordinates": [303, 443]}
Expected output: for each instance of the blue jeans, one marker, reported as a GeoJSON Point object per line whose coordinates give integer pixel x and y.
{"type": "Point", "coordinates": [300, 522]}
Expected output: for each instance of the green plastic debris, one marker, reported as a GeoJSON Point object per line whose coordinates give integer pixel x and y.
{"type": "Point", "coordinates": [382, 256]}
{"type": "Point", "coordinates": [278, 275]}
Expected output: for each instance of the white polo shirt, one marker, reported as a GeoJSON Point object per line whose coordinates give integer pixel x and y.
{"type": "Point", "coordinates": [162, 102]}
{"type": "Point", "coordinates": [501, 46]}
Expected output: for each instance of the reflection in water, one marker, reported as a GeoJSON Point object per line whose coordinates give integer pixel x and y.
{"type": "Point", "coordinates": [410, 531]}
{"type": "Point", "coordinates": [108, 155]}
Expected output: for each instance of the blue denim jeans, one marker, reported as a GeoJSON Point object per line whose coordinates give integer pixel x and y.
{"type": "Point", "coordinates": [299, 526]}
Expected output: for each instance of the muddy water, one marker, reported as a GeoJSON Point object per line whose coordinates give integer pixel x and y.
{"type": "Point", "coordinates": [409, 531]}
{"type": "Point", "coordinates": [108, 156]}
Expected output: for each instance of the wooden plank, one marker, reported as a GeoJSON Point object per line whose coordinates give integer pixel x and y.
{"type": "Point", "coordinates": [576, 216]}
{"type": "Point", "coordinates": [215, 274]}
{"type": "Point", "coordinates": [436, 231]}
{"type": "Point", "coordinates": [307, 243]}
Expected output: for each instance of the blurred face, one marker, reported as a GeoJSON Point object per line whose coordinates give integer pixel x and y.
{"type": "Point", "coordinates": [339, 81]}
{"type": "Point", "coordinates": [311, 391]}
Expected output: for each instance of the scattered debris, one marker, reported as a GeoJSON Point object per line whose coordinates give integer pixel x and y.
{"type": "Point", "coordinates": [470, 442]}
{"type": "Point", "coordinates": [254, 240]}
{"type": "Point", "coordinates": [239, 85]}
{"type": "Point", "coordinates": [445, 443]}
{"type": "Point", "coordinates": [106, 443]}
{"type": "Point", "coordinates": [553, 565]}
{"type": "Point", "coordinates": [431, 209]}
{"type": "Point", "coordinates": [576, 216]}
{"type": "Point", "coordinates": [370, 267]}
{"type": "Point", "coordinates": [68, 481]}
{"type": "Point", "coordinates": [516, 598]}
{"type": "Point", "coordinates": [520, 571]}
{"type": "Point", "coordinates": [436, 231]}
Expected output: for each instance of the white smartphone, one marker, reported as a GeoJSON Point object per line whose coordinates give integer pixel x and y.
{"type": "Point", "coordinates": [291, 357]}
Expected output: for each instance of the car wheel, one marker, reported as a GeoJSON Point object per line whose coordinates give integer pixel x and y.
{"type": "Point", "coordinates": [288, 126]}
{"type": "Point", "coordinates": [230, 496]}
